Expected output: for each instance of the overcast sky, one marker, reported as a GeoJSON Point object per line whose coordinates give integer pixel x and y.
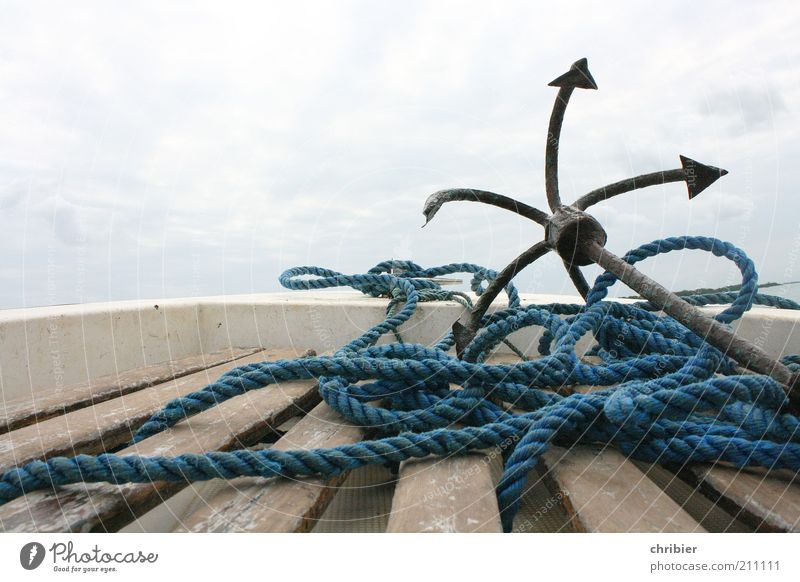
{"type": "Point", "coordinates": [149, 151]}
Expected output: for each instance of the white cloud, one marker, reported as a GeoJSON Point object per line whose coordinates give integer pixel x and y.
{"type": "Point", "coordinates": [139, 140]}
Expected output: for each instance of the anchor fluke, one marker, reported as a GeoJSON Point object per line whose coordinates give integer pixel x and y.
{"type": "Point", "coordinates": [578, 77]}
{"type": "Point", "coordinates": [699, 176]}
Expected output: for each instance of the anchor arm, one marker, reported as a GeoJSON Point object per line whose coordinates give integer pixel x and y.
{"type": "Point", "coordinates": [436, 200]}
{"type": "Point", "coordinates": [623, 186]}
{"type": "Point", "coordinates": [577, 278]}
{"type": "Point", "coordinates": [551, 150]}
{"type": "Point", "coordinates": [467, 327]}
{"type": "Point", "coordinates": [578, 77]}
{"type": "Point", "coordinates": [697, 176]}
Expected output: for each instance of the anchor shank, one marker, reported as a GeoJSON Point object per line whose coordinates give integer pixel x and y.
{"type": "Point", "coordinates": [721, 337]}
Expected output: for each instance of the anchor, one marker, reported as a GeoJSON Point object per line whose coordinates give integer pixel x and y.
{"type": "Point", "coordinates": [579, 239]}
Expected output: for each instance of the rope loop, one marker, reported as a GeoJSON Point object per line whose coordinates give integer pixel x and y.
{"type": "Point", "coordinates": [660, 393]}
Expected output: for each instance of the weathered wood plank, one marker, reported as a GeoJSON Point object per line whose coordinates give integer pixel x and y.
{"type": "Point", "coordinates": [707, 513]}
{"type": "Point", "coordinates": [237, 423]}
{"type": "Point", "coordinates": [279, 505]}
{"type": "Point", "coordinates": [603, 491]}
{"type": "Point", "coordinates": [15, 414]}
{"type": "Point", "coordinates": [295, 505]}
{"type": "Point", "coordinates": [453, 494]}
{"type": "Point", "coordinates": [362, 504]}
{"type": "Point", "coordinates": [768, 501]}
{"type": "Point", "coordinates": [107, 425]}
{"type": "Point", "coordinates": [765, 501]}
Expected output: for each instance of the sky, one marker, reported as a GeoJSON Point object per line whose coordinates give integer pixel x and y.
{"type": "Point", "coordinates": [152, 150]}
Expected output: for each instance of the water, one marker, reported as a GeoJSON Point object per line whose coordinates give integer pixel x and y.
{"type": "Point", "coordinates": [788, 290]}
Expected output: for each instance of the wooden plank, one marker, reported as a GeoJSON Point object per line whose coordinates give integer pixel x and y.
{"type": "Point", "coordinates": [15, 414]}
{"type": "Point", "coordinates": [766, 500]}
{"type": "Point", "coordinates": [237, 423]}
{"type": "Point", "coordinates": [282, 505]}
{"type": "Point", "coordinates": [362, 504]}
{"type": "Point", "coordinates": [707, 513]}
{"type": "Point", "coordinates": [110, 424]}
{"type": "Point", "coordinates": [453, 494]}
{"type": "Point", "coordinates": [603, 491]}
{"type": "Point", "coordinates": [279, 505]}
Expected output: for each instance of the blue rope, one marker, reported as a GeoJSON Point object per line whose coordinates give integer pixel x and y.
{"type": "Point", "coordinates": [665, 395]}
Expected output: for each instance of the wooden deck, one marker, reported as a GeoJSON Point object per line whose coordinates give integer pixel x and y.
{"type": "Point", "coordinates": [585, 489]}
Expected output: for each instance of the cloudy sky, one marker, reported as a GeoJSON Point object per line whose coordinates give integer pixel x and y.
{"type": "Point", "coordinates": [153, 151]}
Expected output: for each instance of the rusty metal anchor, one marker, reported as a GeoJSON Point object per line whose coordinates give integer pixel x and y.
{"type": "Point", "coordinates": [579, 239]}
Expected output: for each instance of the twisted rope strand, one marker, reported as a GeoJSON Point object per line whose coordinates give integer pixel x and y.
{"type": "Point", "coordinates": [668, 397]}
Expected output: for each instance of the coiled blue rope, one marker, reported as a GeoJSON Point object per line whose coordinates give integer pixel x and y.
{"type": "Point", "coordinates": [669, 397]}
